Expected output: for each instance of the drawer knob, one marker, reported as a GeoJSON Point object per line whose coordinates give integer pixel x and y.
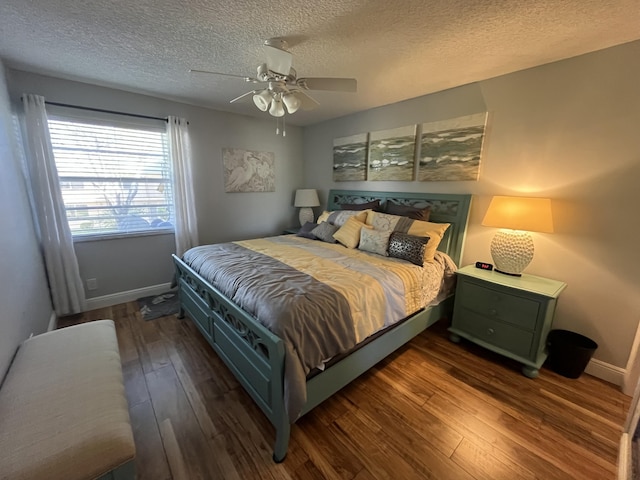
{"type": "Point", "coordinates": [491, 331]}
{"type": "Point", "coordinates": [493, 312]}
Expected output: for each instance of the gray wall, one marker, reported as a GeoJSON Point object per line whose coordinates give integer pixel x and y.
{"type": "Point", "coordinates": [25, 306]}
{"type": "Point", "coordinates": [126, 264]}
{"type": "Point", "coordinates": [567, 130]}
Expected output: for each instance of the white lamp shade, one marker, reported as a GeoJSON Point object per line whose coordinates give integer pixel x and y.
{"type": "Point", "coordinates": [291, 102]}
{"type": "Point", "coordinates": [512, 248]}
{"type": "Point", "coordinates": [277, 110]}
{"type": "Point", "coordinates": [262, 100]}
{"type": "Point", "coordinates": [306, 197]}
{"type": "Point", "coordinates": [520, 213]}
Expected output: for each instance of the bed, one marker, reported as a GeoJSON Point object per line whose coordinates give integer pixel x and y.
{"type": "Point", "coordinates": [258, 357]}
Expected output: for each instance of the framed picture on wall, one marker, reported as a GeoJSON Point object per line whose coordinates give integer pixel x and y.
{"type": "Point", "coordinates": [392, 154]}
{"type": "Point", "coordinates": [248, 171]}
{"type": "Point", "coordinates": [350, 158]}
{"type": "Point", "coordinates": [450, 150]}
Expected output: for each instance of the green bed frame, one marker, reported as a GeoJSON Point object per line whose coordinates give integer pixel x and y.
{"type": "Point", "coordinates": [256, 356]}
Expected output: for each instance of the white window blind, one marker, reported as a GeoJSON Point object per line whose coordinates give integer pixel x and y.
{"type": "Point", "coordinates": [114, 180]}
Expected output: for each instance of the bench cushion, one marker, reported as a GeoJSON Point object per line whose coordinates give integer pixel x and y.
{"type": "Point", "coordinates": [63, 410]}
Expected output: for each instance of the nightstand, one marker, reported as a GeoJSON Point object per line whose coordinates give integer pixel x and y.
{"type": "Point", "coordinates": [508, 315]}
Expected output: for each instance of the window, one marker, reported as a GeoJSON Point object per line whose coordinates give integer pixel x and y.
{"type": "Point", "coordinates": [115, 180]}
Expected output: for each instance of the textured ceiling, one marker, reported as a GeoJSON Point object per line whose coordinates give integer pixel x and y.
{"type": "Point", "coordinates": [396, 49]}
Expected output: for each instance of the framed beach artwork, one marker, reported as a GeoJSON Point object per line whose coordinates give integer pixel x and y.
{"type": "Point", "coordinates": [248, 171]}
{"type": "Point", "coordinates": [392, 154]}
{"type": "Point", "coordinates": [350, 158]}
{"type": "Point", "coordinates": [450, 150]}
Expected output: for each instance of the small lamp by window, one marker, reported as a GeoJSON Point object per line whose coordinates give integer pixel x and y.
{"type": "Point", "coordinates": [305, 199]}
{"type": "Point", "coordinates": [512, 246]}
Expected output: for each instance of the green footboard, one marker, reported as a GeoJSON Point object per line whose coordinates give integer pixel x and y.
{"type": "Point", "coordinates": [252, 353]}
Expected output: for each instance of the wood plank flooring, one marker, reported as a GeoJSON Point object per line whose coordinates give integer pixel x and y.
{"type": "Point", "coordinates": [433, 409]}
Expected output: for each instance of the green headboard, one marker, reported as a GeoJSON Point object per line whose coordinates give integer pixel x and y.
{"type": "Point", "coordinates": [445, 208]}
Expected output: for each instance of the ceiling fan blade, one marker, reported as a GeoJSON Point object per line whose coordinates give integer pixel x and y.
{"type": "Point", "coordinates": [252, 92]}
{"type": "Point", "coordinates": [278, 61]}
{"type": "Point", "coordinates": [307, 101]}
{"type": "Point", "coordinates": [245, 78]}
{"type": "Point", "coordinates": [333, 84]}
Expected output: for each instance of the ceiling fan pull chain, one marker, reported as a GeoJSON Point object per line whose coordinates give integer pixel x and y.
{"type": "Point", "coordinates": [284, 132]}
{"type": "Point", "coordinates": [277, 126]}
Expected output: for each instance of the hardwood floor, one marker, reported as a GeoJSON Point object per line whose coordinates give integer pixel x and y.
{"type": "Point", "coordinates": [433, 409]}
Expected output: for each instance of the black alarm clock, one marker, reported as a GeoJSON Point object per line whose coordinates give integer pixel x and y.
{"type": "Point", "coordinates": [484, 266]}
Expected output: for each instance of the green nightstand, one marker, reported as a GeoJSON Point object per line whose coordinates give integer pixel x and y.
{"type": "Point", "coordinates": [508, 315]}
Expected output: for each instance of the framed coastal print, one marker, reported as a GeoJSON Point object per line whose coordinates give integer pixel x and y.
{"type": "Point", "coordinates": [392, 154]}
{"type": "Point", "coordinates": [248, 171]}
{"type": "Point", "coordinates": [450, 150]}
{"type": "Point", "coordinates": [350, 158]}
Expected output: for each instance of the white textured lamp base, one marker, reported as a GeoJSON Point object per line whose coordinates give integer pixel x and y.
{"type": "Point", "coordinates": [512, 251]}
{"type": "Point", "coordinates": [306, 215]}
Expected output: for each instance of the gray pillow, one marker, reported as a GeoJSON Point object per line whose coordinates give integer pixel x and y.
{"type": "Point", "coordinates": [373, 205]}
{"type": "Point", "coordinates": [306, 229]}
{"type": "Point", "coordinates": [414, 213]}
{"type": "Point", "coordinates": [324, 231]}
{"type": "Point", "coordinates": [408, 247]}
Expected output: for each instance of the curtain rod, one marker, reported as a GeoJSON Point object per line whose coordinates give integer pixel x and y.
{"type": "Point", "coordinates": [105, 111]}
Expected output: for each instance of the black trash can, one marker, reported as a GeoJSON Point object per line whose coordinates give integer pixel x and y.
{"type": "Point", "coordinates": [569, 352]}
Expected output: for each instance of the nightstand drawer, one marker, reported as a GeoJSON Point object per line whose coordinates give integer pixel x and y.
{"type": "Point", "coordinates": [501, 335]}
{"type": "Point", "coordinates": [500, 306]}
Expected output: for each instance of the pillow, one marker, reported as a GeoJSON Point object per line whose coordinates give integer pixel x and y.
{"type": "Point", "coordinates": [373, 205]}
{"type": "Point", "coordinates": [414, 213]}
{"type": "Point", "coordinates": [408, 247]}
{"type": "Point", "coordinates": [383, 221]}
{"type": "Point", "coordinates": [324, 231]}
{"type": "Point", "coordinates": [374, 241]}
{"type": "Point", "coordinates": [395, 223]}
{"type": "Point", "coordinates": [349, 233]}
{"type": "Point", "coordinates": [305, 231]}
{"type": "Point", "coordinates": [435, 232]}
{"type": "Point", "coordinates": [340, 216]}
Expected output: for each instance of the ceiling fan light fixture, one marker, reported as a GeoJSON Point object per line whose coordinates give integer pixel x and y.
{"type": "Point", "coordinates": [292, 102]}
{"type": "Point", "coordinates": [262, 100]}
{"type": "Point", "coordinates": [277, 110]}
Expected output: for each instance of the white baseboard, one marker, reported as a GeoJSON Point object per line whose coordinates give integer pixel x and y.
{"type": "Point", "coordinates": [606, 371]}
{"type": "Point", "coordinates": [128, 296]}
{"type": "Point", "coordinates": [53, 322]}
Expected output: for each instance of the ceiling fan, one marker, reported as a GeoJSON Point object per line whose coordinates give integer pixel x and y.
{"type": "Point", "coordinates": [281, 90]}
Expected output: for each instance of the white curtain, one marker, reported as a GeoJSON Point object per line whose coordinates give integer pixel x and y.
{"type": "Point", "coordinates": [67, 292]}
{"type": "Point", "coordinates": [183, 199]}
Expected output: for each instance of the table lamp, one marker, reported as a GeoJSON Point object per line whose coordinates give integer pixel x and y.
{"type": "Point", "coordinates": [305, 199]}
{"type": "Point", "coordinates": [512, 246]}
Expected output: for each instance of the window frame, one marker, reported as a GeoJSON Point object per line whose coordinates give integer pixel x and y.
{"type": "Point", "coordinates": [68, 114]}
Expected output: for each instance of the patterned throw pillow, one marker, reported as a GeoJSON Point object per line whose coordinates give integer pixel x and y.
{"type": "Point", "coordinates": [324, 231]}
{"type": "Point", "coordinates": [349, 233]}
{"type": "Point", "coordinates": [408, 247]}
{"type": "Point", "coordinates": [384, 221]}
{"type": "Point", "coordinates": [374, 241]}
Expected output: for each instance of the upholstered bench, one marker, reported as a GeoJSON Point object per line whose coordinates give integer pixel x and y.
{"type": "Point", "coordinates": [63, 411]}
